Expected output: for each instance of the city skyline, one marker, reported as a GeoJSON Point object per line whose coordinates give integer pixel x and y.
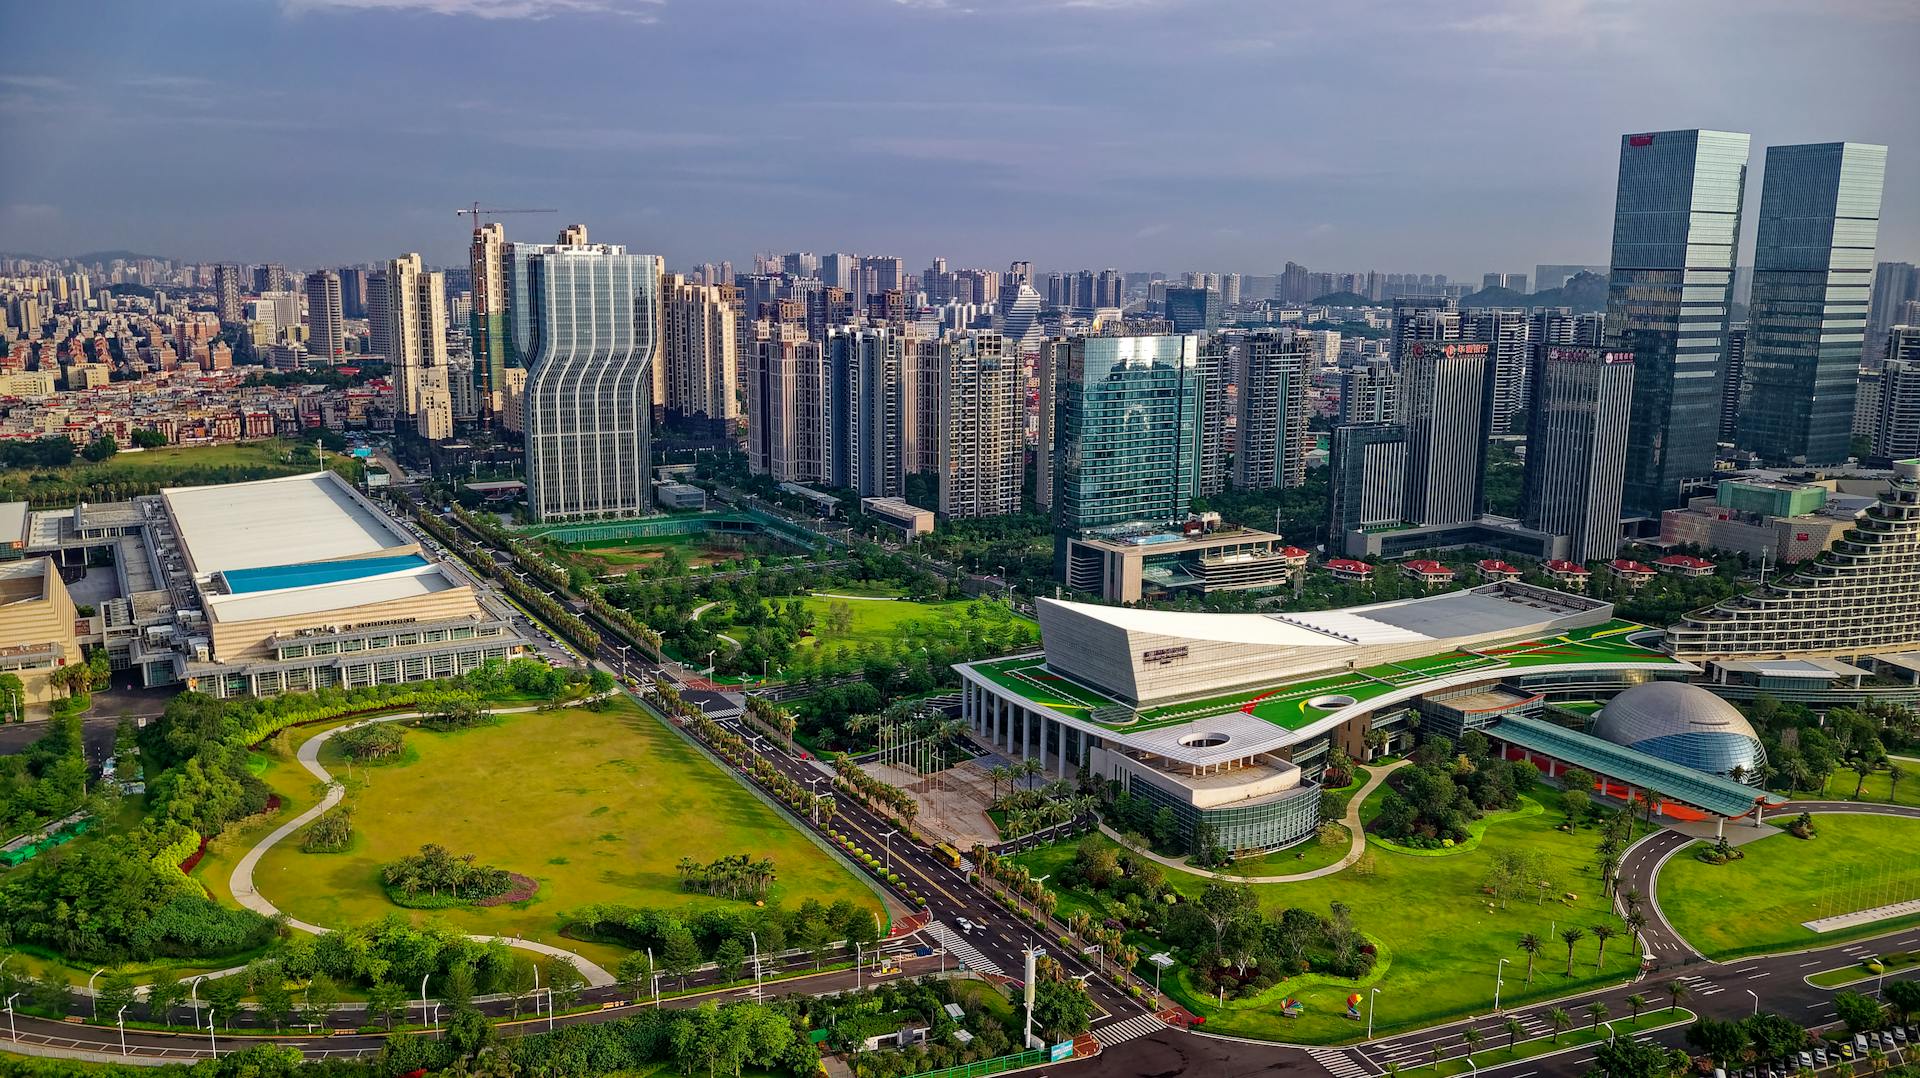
{"type": "Point", "coordinates": [862, 128]}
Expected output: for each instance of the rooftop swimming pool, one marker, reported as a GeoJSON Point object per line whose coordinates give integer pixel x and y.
{"type": "Point", "coordinates": [307, 574]}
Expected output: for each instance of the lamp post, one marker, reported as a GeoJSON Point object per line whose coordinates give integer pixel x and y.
{"type": "Point", "coordinates": [213, 1046]}
{"type": "Point", "coordinates": [756, 962]}
{"type": "Point", "coordinates": [423, 992]}
{"type": "Point", "coordinates": [888, 839]}
{"type": "Point", "coordinates": [1609, 1024]}
{"type": "Point", "coordinates": [12, 1034]}
{"type": "Point", "coordinates": [1756, 1000]}
{"type": "Point", "coordinates": [193, 1000]}
{"type": "Point", "coordinates": [1497, 983]}
{"type": "Point", "coordinates": [1371, 1004]}
{"type": "Point", "coordinates": [96, 999]}
{"type": "Point", "coordinates": [121, 1021]}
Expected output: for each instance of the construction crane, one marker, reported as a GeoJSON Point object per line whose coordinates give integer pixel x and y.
{"type": "Point", "coordinates": [477, 211]}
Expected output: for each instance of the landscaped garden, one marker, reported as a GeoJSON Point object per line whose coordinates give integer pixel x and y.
{"type": "Point", "coordinates": [600, 808]}
{"type": "Point", "coordinates": [1757, 904]}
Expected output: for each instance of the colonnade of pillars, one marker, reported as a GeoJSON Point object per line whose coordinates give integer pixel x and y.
{"type": "Point", "coordinates": [1025, 734]}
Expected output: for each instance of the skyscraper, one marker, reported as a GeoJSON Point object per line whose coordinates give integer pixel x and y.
{"type": "Point", "coordinates": [592, 312]}
{"type": "Point", "coordinates": [1896, 434]}
{"type": "Point", "coordinates": [868, 364]}
{"type": "Point", "coordinates": [226, 291]}
{"type": "Point", "coordinates": [790, 417]}
{"type": "Point", "coordinates": [1576, 448]}
{"type": "Point", "coordinates": [416, 333]}
{"type": "Point", "coordinates": [353, 291]}
{"type": "Point", "coordinates": [1272, 371]}
{"type": "Point", "coordinates": [1127, 430]}
{"type": "Point", "coordinates": [487, 257]}
{"type": "Point", "coordinates": [1444, 400]}
{"type": "Point", "coordinates": [1507, 332]}
{"type": "Point", "coordinates": [1193, 310]}
{"type": "Point", "coordinates": [698, 352]}
{"type": "Point", "coordinates": [1676, 223]}
{"type": "Point", "coordinates": [1894, 284]}
{"type": "Point", "coordinates": [1369, 393]}
{"type": "Point", "coordinates": [1812, 272]}
{"type": "Point", "coordinates": [1422, 318]}
{"type": "Point", "coordinates": [1368, 479]}
{"type": "Point", "coordinates": [981, 411]}
{"type": "Point", "coordinates": [1730, 378]}
{"type": "Point", "coordinates": [326, 322]}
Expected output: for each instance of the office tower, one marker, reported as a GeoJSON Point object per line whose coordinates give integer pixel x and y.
{"type": "Point", "coordinates": [1443, 403]}
{"type": "Point", "coordinates": [1559, 325]}
{"type": "Point", "coordinates": [1127, 430]}
{"type": "Point", "coordinates": [1423, 318]}
{"type": "Point", "coordinates": [379, 317]}
{"type": "Point", "coordinates": [326, 322]}
{"type": "Point", "coordinates": [1732, 364]}
{"type": "Point", "coordinates": [353, 291]}
{"type": "Point", "coordinates": [1508, 334]}
{"type": "Point", "coordinates": [1017, 317]}
{"type": "Point", "coordinates": [1577, 447]}
{"type": "Point", "coordinates": [1369, 393]}
{"type": "Point", "coordinates": [1367, 480]}
{"type": "Point", "coordinates": [789, 414]}
{"type": "Point", "coordinates": [1812, 274]}
{"type": "Point", "coordinates": [1272, 372]}
{"type": "Point", "coordinates": [868, 366]}
{"type": "Point", "coordinates": [226, 291]}
{"type": "Point", "coordinates": [1109, 289]}
{"type": "Point", "coordinates": [592, 311]}
{"type": "Point", "coordinates": [1894, 285]}
{"type": "Point", "coordinates": [698, 352]}
{"type": "Point", "coordinates": [1866, 407]}
{"type": "Point", "coordinates": [1193, 310]}
{"type": "Point", "coordinates": [1896, 434]}
{"type": "Point", "coordinates": [1517, 282]}
{"type": "Point", "coordinates": [487, 260]}
{"type": "Point", "coordinates": [1676, 221]}
{"type": "Point", "coordinates": [269, 278]}
{"type": "Point", "coordinates": [277, 314]}
{"type": "Point", "coordinates": [1492, 280]}
{"type": "Point", "coordinates": [981, 409]}
{"type": "Point", "coordinates": [416, 334]}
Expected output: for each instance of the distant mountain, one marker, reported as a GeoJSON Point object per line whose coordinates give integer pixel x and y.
{"type": "Point", "coordinates": [1583, 292]}
{"type": "Point", "coordinates": [108, 256]}
{"type": "Point", "coordinates": [1343, 299]}
{"type": "Point", "coordinates": [1501, 297]}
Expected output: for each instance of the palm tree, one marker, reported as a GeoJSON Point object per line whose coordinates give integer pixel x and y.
{"type": "Point", "coordinates": [1561, 1020]}
{"type": "Point", "coordinates": [1876, 1059]}
{"type": "Point", "coordinates": [1530, 943]}
{"type": "Point", "coordinates": [1862, 766]}
{"type": "Point", "coordinates": [1676, 991]}
{"type": "Point", "coordinates": [1632, 898]}
{"type": "Point", "coordinates": [1894, 775]}
{"type": "Point", "coordinates": [1603, 933]}
{"type": "Point", "coordinates": [1637, 923]}
{"type": "Point", "coordinates": [1390, 1070]}
{"type": "Point", "coordinates": [1571, 936]}
{"type": "Point", "coordinates": [1472, 1038]}
{"type": "Point", "coordinates": [1598, 1012]}
{"type": "Point", "coordinates": [1636, 1001]}
{"type": "Point", "coordinates": [1514, 1029]}
{"type": "Point", "coordinates": [1000, 773]}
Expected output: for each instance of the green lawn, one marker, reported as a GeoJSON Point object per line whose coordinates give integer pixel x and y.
{"type": "Point", "coordinates": [873, 621]}
{"type": "Point", "coordinates": [1440, 939]}
{"type": "Point", "coordinates": [1756, 905]}
{"type": "Point", "coordinates": [1318, 852]}
{"type": "Point", "coordinates": [1583, 1034]}
{"type": "Point", "coordinates": [596, 806]}
{"type": "Point", "coordinates": [1879, 786]}
{"type": "Point", "coordinates": [175, 465]}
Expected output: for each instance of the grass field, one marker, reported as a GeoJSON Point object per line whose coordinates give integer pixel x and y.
{"type": "Point", "coordinates": [619, 555]}
{"type": "Point", "coordinates": [175, 465]}
{"type": "Point", "coordinates": [1756, 905]}
{"type": "Point", "coordinates": [598, 807]}
{"type": "Point", "coordinates": [1879, 786]}
{"type": "Point", "coordinates": [872, 620]}
{"type": "Point", "coordinates": [1439, 938]}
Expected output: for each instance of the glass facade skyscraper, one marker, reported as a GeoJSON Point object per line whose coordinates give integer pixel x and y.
{"type": "Point", "coordinates": [1676, 225]}
{"type": "Point", "coordinates": [1812, 273]}
{"type": "Point", "coordinates": [1128, 429]}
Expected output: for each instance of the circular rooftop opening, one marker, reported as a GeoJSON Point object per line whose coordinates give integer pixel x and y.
{"type": "Point", "coordinates": [1332, 702]}
{"type": "Point", "coordinates": [1204, 741]}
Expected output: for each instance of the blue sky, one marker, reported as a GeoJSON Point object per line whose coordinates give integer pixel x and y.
{"type": "Point", "coordinates": [1451, 137]}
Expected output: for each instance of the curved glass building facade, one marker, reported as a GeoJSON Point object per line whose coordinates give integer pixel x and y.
{"type": "Point", "coordinates": [1686, 725]}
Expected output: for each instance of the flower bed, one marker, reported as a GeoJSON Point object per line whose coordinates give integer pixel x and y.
{"type": "Point", "coordinates": [523, 888]}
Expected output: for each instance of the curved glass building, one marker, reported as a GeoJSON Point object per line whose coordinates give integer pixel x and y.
{"type": "Point", "coordinates": [1686, 725]}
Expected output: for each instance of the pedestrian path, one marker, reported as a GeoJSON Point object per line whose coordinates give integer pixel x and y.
{"type": "Point", "coordinates": [1126, 1029]}
{"type": "Point", "coordinates": [966, 953]}
{"type": "Point", "coordinates": [1339, 1063]}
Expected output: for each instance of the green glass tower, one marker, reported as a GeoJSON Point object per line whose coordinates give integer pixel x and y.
{"type": "Point", "coordinates": [1812, 276]}
{"type": "Point", "coordinates": [1128, 430]}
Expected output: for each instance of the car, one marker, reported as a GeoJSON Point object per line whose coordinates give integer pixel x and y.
{"type": "Point", "coordinates": [1820, 1057]}
{"type": "Point", "coordinates": [1900, 1034]}
{"type": "Point", "coordinates": [1806, 1059]}
{"type": "Point", "coordinates": [1846, 1050]}
{"type": "Point", "coordinates": [965, 925]}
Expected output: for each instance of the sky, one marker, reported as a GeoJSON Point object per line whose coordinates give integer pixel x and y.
{"type": "Point", "coordinates": [1232, 135]}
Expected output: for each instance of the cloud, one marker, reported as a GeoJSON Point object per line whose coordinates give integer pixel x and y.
{"type": "Point", "coordinates": [636, 10]}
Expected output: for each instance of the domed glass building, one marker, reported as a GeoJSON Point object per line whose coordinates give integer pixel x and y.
{"type": "Point", "coordinates": [1687, 725]}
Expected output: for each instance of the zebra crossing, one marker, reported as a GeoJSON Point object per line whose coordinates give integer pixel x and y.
{"type": "Point", "coordinates": [1127, 1029]}
{"type": "Point", "coordinates": [1700, 986]}
{"type": "Point", "coordinates": [968, 955]}
{"type": "Point", "coordinates": [1339, 1063]}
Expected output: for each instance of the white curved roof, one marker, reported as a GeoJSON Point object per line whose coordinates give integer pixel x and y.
{"type": "Point", "coordinates": [1192, 625]}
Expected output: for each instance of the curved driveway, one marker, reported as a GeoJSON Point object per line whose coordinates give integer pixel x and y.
{"type": "Point", "coordinates": [244, 892]}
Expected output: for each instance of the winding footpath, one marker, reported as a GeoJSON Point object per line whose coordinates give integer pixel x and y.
{"type": "Point", "coordinates": [1356, 847]}
{"type": "Point", "coordinates": [244, 892]}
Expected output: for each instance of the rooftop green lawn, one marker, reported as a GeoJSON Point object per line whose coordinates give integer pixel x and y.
{"type": "Point", "coordinates": [596, 806]}
{"type": "Point", "coordinates": [1756, 905]}
{"type": "Point", "coordinates": [1436, 965]}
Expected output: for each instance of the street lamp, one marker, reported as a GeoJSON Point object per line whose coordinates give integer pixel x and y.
{"type": "Point", "coordinates": [1497, 983]}
{"type": "Point", "coordinates": [96, 999]}
{"type": "Point", "coordinates": [1160, 962]}
{"type": "Point", "coordinates": [213, 1046]}
{"type": "Point", "coordinates": [12, 1034]}
{"type": "Point", "coordinates": [888, 839]}
{"type": "Point", "coordinates": [193, 1001]}
{"type": "Point", "coordinates": [1756, 1000]}
{"type": "Point", "coordinates": [121, 1021]}
{"type": "Point", "coordinates": [1371, 1004]}
{"type": "Point", "coordinates": [423, 993]}
{"type": "Point", "coordinates": [756, 962]}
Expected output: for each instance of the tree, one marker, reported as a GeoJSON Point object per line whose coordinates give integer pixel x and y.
{"type": "Point", "coordinates": [1602, 933]}
{"type": "Point", "coordinates": [1598, 1012]}
{"type": "Point", "coordinates": [1530, 943]}
{"type": "Point", "coordinates": [1514, 1029]}
{"type": "Point", "coordinates": [1571, 936]}
{"type": "Point", "coordinates": [1721, 1041]}
{"type": "Point", "coordinates": [164, 994]}
{"type": "Point", "coordinates": [145, 438]}
{"type": "Point", "coordinates": [1859, 1012]}
{"type": "Point", "coordinates": [1676, 991]}
{"type": "Point", "coordinates": [1472, 1038]}
{"type": "Point", "coordinates": [564, 981]}
{"type": "Point", "coordinates": [1624, 1057]}
{"type": "Point", "coordinates": [1773, 1037]}
{"type": "Point", "coordinates": [729, 956]}
{"type": "Point", "coordinates": [1903, 997]}
{"type": "Point", "coordinates": [276, 1001]}
{"type": "Point", "coordinates": [385, 1001]}
{"type": "Point", "coordinates": [316, 1003]}
{"type": "Point", "coordinates": [100, 448]}
{"type": "Point", "coordinates": [116, 991]}
{"type": "Point", "coordinates": [1636, 1001]}
{"type": "Point", "coordinates": [636, 972]}
{"type": "Point", "coordinates": [1561, 1022]}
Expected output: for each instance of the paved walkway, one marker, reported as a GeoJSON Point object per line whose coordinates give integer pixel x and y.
{"type": "Point", "coordinates": [241, 882]}
{"type": "Point", "coordinates": [1355, 848]}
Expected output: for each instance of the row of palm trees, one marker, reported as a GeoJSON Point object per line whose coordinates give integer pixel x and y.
{"type": "Point", "coordinates": [735, 876]}
{"type": "Point", "coordinates": [1030, 810]}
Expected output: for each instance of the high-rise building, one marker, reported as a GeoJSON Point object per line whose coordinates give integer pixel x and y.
{"type": "Point", "coordinates": [226, 291]}
{"type": "Point", "coordinates": [593, 311]}
{"type": "Point", "coordinates": [379, 317]}
{"type": "Point", "coordinates": [1367, 480]}
{"type": "Point", "coordinates": [416, 317]}
{"type": "Point", "coordinates": [1894, 285]}
{"type": "Point", "coordinates": [1126, 430]}
{"type": "Point", "coordinates": [1508, 334]}
{"type": "Point", "coordinates": [271, 277]}
{"type": "Point", "coordinates": [868, 365]}
{"type": "Point", "coordinates": [487, 259]}
{"type": "Point", "coordinates": [1732, 365]}
{"type": "Point", "coordinates": [877, 274]}
{"type": "Point", "coordinates": [698, 352]}
{"type": "Point", "coordinates": [1423, 318]}
{"type": "Point", "coordinates": [1444, 400]}
{"type": "Point", "coordinates": [1272, 372]}
{"type": "Point", "coordinates": [1896, 433]}
{"type": "Point", "coordinates": [326, 321]}
{"type": "Point", "coordinates": [1676, 223]}
{"type": "Point", "coordinates": [1017, 317]}
{"type": "Point", "coordinates": [1369, 393]}
{"type": "Point", "coordinates": [981, 411]}
{"type": "Point", "coordinates": [1812, 274]}
{"type": "Point", "coordinates": [1230, 286]}
{"type": "Point", "coordinates": [1576, 448]}
{"type": "Point", "coordinates": [828, 307]}
{"type": "Point", "coordinates": [353, 291]}
{"type": "Point", "coordinates": [839, 271]}
{"type": "Point", "coordinates": [1193, 310]}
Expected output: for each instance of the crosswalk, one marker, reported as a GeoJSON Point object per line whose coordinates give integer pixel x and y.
{"type": "Point", "coordinates": [1339, 1063]}
{"type": "Point", "coordinates": [1700, 986]}
{"type": "Point", "coordinates": [1127, 1029]}
{"type": "Point", "coordinates": [957, 945]}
